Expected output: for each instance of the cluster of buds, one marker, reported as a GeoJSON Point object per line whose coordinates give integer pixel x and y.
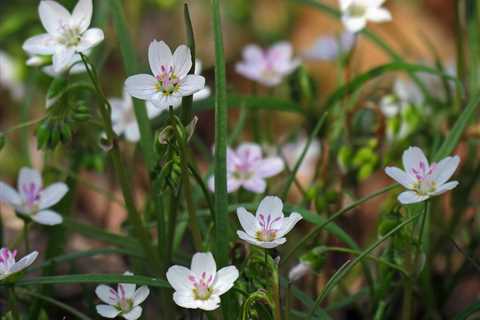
{"type": "Point", "coordinates": [170, 144]}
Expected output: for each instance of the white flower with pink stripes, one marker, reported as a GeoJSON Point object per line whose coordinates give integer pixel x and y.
{"type": "Point", "coordinates": [423, 180]}
{"type": "Point", "coordinates": [32, 200]}
{"type": "Point", "coordinates": [268, 228]}
{"type": "Point", "coordinates": [8, 265]}
{"type": "Point", "coordinates": [123, 302]}
{"type": "Point", "coordinates": [201, 286]}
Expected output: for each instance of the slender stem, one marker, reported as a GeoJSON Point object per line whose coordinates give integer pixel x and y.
{"type": "Point", "coordinates": [12, 303]}
{"type": "Point", "coordinates": [172, 218]}
{"type": "Point", "coordinates": [288, 301]}
{"type": "Point", "coordinates": [124, 179]}
{"type": "Point", "coordinates": [277, 310]}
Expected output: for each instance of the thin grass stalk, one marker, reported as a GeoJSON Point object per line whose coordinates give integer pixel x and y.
{"type": "Point", "coordinates": [221, 197]}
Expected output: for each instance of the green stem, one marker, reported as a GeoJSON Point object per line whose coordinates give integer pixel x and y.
{"type": "Point", "coordinates": [133, 216]}
{"type": "Point", "coordinates": [317, 229]}
{"type": "Point", "coordinates": [277, 310]}
{"type": "Point", "coordinates": [12, 303]}
{"type": "Point", "coordinates": [222, 232]}
{"type": "Point", "coordinates": [26, 227]}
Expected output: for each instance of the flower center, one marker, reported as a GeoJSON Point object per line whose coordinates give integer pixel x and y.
{"type": "Point", "coordinates": [202, 287]}
{"type": "Point", "coordinates": [31, 193]}
{"type": "Point", "coordinates": [266, 232]}
{"type": "Point", "coordinates": [70, 37]}
{"type": "Point", "coordinates": [356, 10]}
{"type": "Point", "coordinates": [125, 305]}
{"type": "Point", "coordinates": [423, 173]}
{"type": "Point", "coordinates": [168, 82]}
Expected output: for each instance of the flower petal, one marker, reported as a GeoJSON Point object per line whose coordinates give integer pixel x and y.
{"type": "Point", "coordinates": [400, 176]}
{"type": "Point", "coordinates": [445, 187]}
{"type": "Point", "coordinates": [106, 294]}
{"type": "Point", "coordinates": [185, 299]}
{"type": "Point", "coordinates": [289, 223]}
{"type": "Point", "coordinates": [247, 221]}
{"type": "Point", "coordinates": [53, 16]}
{"type": "Point", "coordinates": [9, 195]}
{"type": "Point", "coordinates": [107, 311]}
{"type": "Point", "coordinates": [225, 279]}
{"type": "Point", "coordinates": [90, 39]}
{"type": "Point", "coordinates": [42, 44]}
{"type": "Point", "coordinates": [141, 86]}
{"type": "Point", "coordinates": [255, 184]}
{"type": "Point", "coordinates": [263, 244]}
{"type": "Point", "coordinates": [25, 262]}
{"type": "Point", "coordinates": [140, 295]}
{"type": "Point", "coordinates": [354, 24]}
{"type": "Point", "coordinates": [28, 177]}
{"type": "Point", "coordinates": [182, 61]}
{"type": "Point", "coordinates": [270, 205]}
{"type": "Point", "coordinates": [159, 55]}
{"type": "Point", "coordinates": [412, 157]}
{"type": "Point", "coordinates": [445, 169]}
{"type": "Point", "coordinates": [269, 167]}
{"type": "Point", "coordinates": [47, 217]}
{"type": "Point", "coordinates": [378, 15]}
{"type": "Point", "coordinates": [51, 195]}
{"type": "Point", "coordinates": [177, 276]}
{"type": "Point", "coordinates": [163, 102]}
{"type": "Point", "coordinates": [408, 197]}
{"type": "Point", "coordinates": [132, 132]}
{"type": "Point", "coordinates": [203, 262]}
{"type": "Point", "coordinates": [253, 53]}
{"type": "Point", "coordinates": [248, 152]}
{"type": "Point", "coordinates": [127, 289]}
{"type": "Point", "coordinates": [82, 15]}
{"type": "Point", "coordinates": [211, 304]}
{"type": "Point", "coordinates": [191, 84]}
{"type": "Point", "coordinates": [134, 314]}
{"type": "Point", "coordinates": [62, 58]}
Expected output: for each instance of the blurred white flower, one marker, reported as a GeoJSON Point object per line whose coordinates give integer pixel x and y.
{"type": "Point", "coordinates": [67, 34]}
{"type": "Point", "coordinates": [299, 271]}
{"type": "Point", "coordinates": [331, 47]}
{"type": "Point", "coordinates": [9, 77]}
{"type": "Point", "coordinates": [8, 266]}
{"type": "Point", "coordinates": [356, 13]}
{"type": "Point", "coordinates": [292, 153]}
{"type": "Point", "coordinates": [405, 93]}
{"type": "Point", "coordinates": [31, 199]}
{"type": "Point", "coordinates": [268, 228]}
{"type": "Point", "coordinates": [123, 116]}
{"type": "Point", "coordinates": [421, 179]}
{"type": "Point", "coordinates": [248, 169]}
{"type": "Point", "coordinates": [123, 302]}
{"type": "Point", "coordinates": [201, 286]}
{"type": "Point", "coordinates": [269, 66]}
{"type": "Point", "coordinates": [170, 81]}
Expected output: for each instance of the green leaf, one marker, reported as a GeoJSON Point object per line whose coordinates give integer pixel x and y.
{"type": "Point", "coordinates": [455, 134]}
{"type": "Point", "coordinates": [95, 278]}
{"type": "Point", "coordinates": [470, 310]}
{"type": "Point", "coordinates": [251, 102]}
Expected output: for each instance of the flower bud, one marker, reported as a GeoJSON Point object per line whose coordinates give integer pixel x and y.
{"type": "Point", "coordinates": [299, 271]}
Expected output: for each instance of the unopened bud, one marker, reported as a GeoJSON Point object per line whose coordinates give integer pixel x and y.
{"type": "Point", "coordinates": [299, 271]}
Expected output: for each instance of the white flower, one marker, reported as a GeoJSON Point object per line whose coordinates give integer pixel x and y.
{"type": "Point", "coordinates": [31, 199]}
{"type": "Point", "coordinates": [331, 48]}
{"type": "Point", "coordinates": [170, 81]}
{"type": "Point", "coordinates": [123, 116]}
{"type": "Point", "coordinates": [10, 77]}
{"type": "Point", "coordinates": [201, 286]}
{"type": "Point", "coordinates": [299, 271]}
{"type": "Point", "coordinates": [8, 266]}
{"type": "Point", "coordinates": [405, 92]}
{"type": "Point", "coordinates": [269, 66]}
{"type": "Point", "coordinates": [123, 302]}
{"type": "Point", "coordinates": [268, 228]}
{"type": "Point", "coordinates": [67, 34]}
{"type": "Point", "coordinates": [248, 169]}
{"type": "Point", "coordinates": [292, 152]}
{"type": "Point", "coordinates": [421, 179]}
{"type": "Point", "coordinates": [356, 13]}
